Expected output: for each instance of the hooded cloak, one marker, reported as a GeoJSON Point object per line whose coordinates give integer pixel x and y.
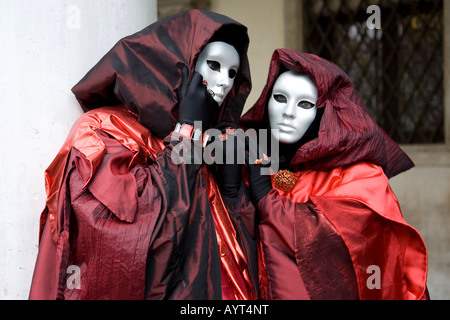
{"type": "Point", "coordinates": [148, 72]}
{"type": "Point", "coordinates": [347, 133]}
{"type": "Point", "coordinates": [122, 221]}
{"type": "Point", "coordinates": [339, 233]}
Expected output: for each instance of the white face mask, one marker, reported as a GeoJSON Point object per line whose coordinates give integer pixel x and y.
{"type": "Point", "coordinates": [292, 106]}
{"type": "Point", "coordinates": [218, 63]}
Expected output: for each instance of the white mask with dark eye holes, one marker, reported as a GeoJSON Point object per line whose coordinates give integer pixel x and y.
{"type": "Point", "coordinates": [292, 106]}
{"type": "Point", "coordinates": [218, 63]}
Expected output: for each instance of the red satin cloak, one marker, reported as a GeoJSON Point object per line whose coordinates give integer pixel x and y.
{"type": "Point", "coordinates": [107, 190]}
{"type": "Point", "coordinates": [73, 169]}
{"type": "Point", "coordinates": [341, 223]}
{"type": "Point", "coordinates": [301, 229]}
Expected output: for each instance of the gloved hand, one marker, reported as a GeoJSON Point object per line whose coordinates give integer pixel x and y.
{"type": "Point", "coordinates": [197, 104]}
{"type": "Point", "coordinates": [229, 177]}
{"type": "Point", "coordinates": [259, 184]}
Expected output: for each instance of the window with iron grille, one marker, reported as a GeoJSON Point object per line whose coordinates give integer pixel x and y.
{"type": "Point", "coordinates": [397, 69]}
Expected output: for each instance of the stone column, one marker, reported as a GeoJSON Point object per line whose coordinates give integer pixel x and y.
{"type": "Point", "coordinates": [45, 48]}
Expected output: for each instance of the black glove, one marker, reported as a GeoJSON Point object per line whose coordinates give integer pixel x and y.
{"type": "Point", "coordinates": [259, 184]}
{"type": "Point", "coordinates": [197, 104]}
{"type": "Point", "coordinates": [229, 177]}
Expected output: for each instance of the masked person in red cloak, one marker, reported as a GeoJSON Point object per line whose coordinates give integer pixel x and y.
{"type": "Point", "coordinates": [122, 219]}
{"type": "Point", "coordinates": [331, 227]}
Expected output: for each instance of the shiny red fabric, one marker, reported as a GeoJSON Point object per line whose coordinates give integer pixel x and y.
{"type": "Point", "coordinates": [116, 222]}
{"type": "Point", "coordinates": [114, 121]}
{"type": "Point", "coordinates": [93, 208]}
{"type": "Point", "coordinates": [237, 281]}
{"type": "Point", "coordinates": [304, 229]}
{"type": "Point", "coordinates": [341, 219]}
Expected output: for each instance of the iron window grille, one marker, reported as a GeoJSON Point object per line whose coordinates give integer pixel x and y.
{"type": "Point", "coordinates": [397, 69]}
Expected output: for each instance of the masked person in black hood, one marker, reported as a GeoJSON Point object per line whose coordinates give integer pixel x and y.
{"type": "Point", "coordinates": [135, 224]}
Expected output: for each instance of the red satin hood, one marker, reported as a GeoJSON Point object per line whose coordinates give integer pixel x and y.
{"type": "Point", "coordinates": [149, 71]}
{"type": "Point", "coordinates": [347, 132]}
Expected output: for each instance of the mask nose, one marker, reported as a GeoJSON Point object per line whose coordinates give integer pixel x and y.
{"type": "Point", "coordinates": [289, 111]}
{"type": "Point", "coordinates": [223, 80]}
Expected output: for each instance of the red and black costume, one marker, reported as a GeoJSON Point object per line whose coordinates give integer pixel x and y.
{"type": "Point", "coordinates": [341, 222]}
{"type": "Point", "coordinates": [136, 224]}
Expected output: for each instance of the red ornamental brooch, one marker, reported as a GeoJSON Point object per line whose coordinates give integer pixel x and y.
{"type": "Point", "coordinates": [285, 180]}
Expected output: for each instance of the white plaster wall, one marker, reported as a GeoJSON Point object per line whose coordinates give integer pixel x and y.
{"type": "Point", "coordinates": [46, 47]}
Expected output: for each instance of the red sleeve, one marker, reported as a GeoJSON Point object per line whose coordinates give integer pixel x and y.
{"type": "Point", "coordinates": [395, 249]}
{"type": "Point", "coordinates": [46, 272]}
{"type": "Point", "coordinates": [107, 226]}
{"type": "Point", "coordinates": [105, 230]}
{"type": "Point", "coordinates": [389, 255]}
